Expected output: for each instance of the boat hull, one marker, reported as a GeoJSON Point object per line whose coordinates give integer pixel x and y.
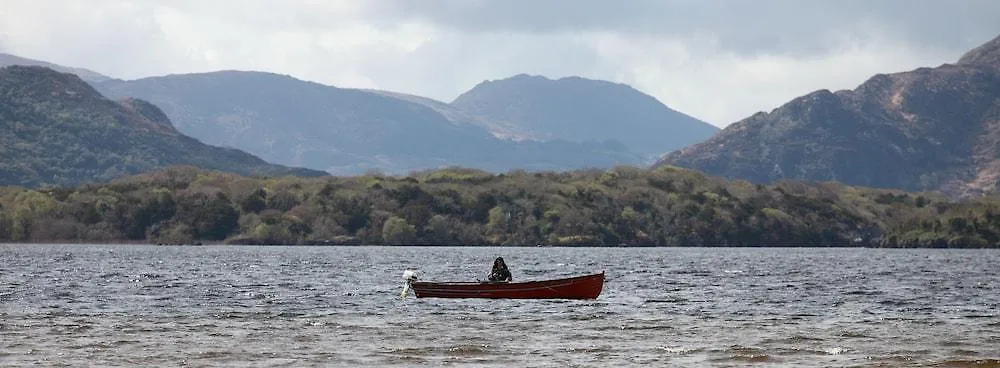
{"type": "Point", "coordinates": [580, 287]}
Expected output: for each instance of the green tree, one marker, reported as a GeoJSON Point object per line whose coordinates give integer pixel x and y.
{"type": "Point", "coordinates": [282, 200]}
{"type": "Point", "coordinates": [211, 217]}
{"type": "Point", "coordinates": [497, 225]}
{"type": "Point", "coordinates": [254, 202]}
{"type": "Point", "coordinates": [29, 206]}
{"type": "Point", "coordinates": [4, 225]}
{"type": "Point", "coordinates": [397, 231]}
{"type": "Point", "coordinates": [439, 230]}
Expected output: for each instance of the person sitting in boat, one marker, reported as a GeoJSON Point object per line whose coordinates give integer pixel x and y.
{"type": "Point", "coordinates": [500, 272]}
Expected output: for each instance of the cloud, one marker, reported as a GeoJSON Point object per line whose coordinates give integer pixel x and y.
{"type": "Point", "coordinates": [716, 60]}
{"type": "Point", "coordinates": [792, 26]}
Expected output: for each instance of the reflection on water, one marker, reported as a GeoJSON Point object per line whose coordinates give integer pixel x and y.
{"type": "Point", "coordinates": [78, 305]}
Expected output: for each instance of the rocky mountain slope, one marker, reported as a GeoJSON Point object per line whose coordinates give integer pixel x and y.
{"type": "Point", "coordinates": [926, 129]}
{"type": "Point", "coordinates": [579, 110]}
{"type": "Point", "coordinates": [56, 129]}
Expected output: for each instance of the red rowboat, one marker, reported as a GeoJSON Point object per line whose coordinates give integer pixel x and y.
{"type": "Point", "coordinates": [580, 287]}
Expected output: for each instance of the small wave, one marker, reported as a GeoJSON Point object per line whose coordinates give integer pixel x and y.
{"type": "Point", "coordinates": [213, 354]}
{"type": "Point", "coordinates": [835, 350]}
{"type": "Point", "coordinates": [454, 350]}
{"type": "Point", "coordinates": [110, 275]}
{"type": "Point", "coordinates": [811, 352]}
{"type": "Point", "coordinates": [748, 358]}
{"type": "Point", "coordinates": [583, 317]}
{"type": "Point", "coordinates": [672, 300]}
{"type": "Point", "coordinates": [646, 327]}
{"type": "Point", "coordinates": [864, 292]}
{"type": "Point", "coordinates": [979, 315]}
{"type": "Point", "coordinates": [902, 357]}
{"type": "Point", "coordinates": [895, 303]}
{"type": "Point", "coordinates": [406, 359]}
{"type": "Point", "coordinates": [412, 351]}
{"type": "Point", "coordinates": [954, 343]}
{"type": "Point", "coordinates": [738, 353]}
{"type": "Point", "coordinates": [592, 349]}
{"type": "Point", "coordinates": [792, 340]}
{"type": "Point", "coordinates": [692, 272]}
{"type": "Point", "coordinates": [469, 349]}
{"type": "Point", "coordinates": [62, 295]}
{"type": "Point", "coordinates": [804, 315]}
{"type": "Point", "coordinates": [976, 363]}
{"type": "Point", "coordinates": [679, 350]}
{"type": "Point", "coordinates": [964, 352]}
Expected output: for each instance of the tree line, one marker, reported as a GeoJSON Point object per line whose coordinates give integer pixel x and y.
{"type": "Point", "coordinates": [623, 206]}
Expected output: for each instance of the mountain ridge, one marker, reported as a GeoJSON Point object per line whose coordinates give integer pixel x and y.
{"type": "Point", "coordinates": [57, 129]}
{"type": "Point", "coordinates": [85, 74]}
{"type": "Point", "coordinates": [343, 130]}
{"type": "Point", "coordinates": [924, 129]}
{"type": "Point", "coordinates": [987, 54]}
{"type": "Point", "coordinates": [351, 131]}
{"type": "Point", "coordinates": [580, 109]}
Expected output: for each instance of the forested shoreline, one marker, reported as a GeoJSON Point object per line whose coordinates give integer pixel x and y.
{"type": "Point", "coordinates": [624, 206]}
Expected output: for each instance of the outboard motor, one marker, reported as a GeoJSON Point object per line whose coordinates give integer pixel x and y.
{"type": "Point", "coordinates": [408, 276]}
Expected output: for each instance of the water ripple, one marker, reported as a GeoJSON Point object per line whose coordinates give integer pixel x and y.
{"type": "Point", "coordinates": [73, 305]}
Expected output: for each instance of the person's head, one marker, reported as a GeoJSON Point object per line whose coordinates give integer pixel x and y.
{"type": "Point", "coordinates": [499, 262]}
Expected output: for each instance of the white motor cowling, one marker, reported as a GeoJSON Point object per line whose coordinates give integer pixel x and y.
{"type": "Point", "coordinates": [408, 276]}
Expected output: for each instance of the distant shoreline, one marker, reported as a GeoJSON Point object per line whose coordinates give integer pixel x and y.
{"type": "Point", "coordinates": [621, 207]}
{"type": "Point", "coordinates": [218, 243]}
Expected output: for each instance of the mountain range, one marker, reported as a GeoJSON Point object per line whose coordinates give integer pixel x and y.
{"type": "Point", "coordinates": [346, 131]}
{"type": "Point", "coordinates": [926, 129]}
{"type": "Point", "coordinates": [579, 109]}
{"type": "Point", "coordinates": [57, 129]}
{"type": "Point", "coordinates": [350, 131]}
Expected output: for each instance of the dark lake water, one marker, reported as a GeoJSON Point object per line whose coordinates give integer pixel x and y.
{"type": "Point", "coordinates": [89, 305]}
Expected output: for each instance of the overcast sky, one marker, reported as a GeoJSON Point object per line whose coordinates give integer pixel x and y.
{"type": "Point", "coordinates": [719, 61]}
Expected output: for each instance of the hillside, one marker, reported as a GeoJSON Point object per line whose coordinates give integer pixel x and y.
{"type": "Point", "coordinates": [56, 129]}
{"type": "Point", "coordinates": [580, 110]}
{"type": "Point", "coordinates": [502, 130]}
{"type": "Point", "coordinates": [624, 206]}
{"type": "Point", "coordinates": [343, 131]}
{"type": "Point", "coordinates": [926, 129]}
{"type": "Point", "coordinates": [85, 74]}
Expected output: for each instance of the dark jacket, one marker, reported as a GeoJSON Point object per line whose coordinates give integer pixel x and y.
{"type": "Point", "coordinates": [500, 273]}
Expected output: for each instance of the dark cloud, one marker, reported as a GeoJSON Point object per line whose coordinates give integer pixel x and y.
{"type": "Point", "coordinates": [761, 26]}
{"type": "Point", "coordinates": [444, 66]}
{"type": "Point", "coordinates": [719, 60]}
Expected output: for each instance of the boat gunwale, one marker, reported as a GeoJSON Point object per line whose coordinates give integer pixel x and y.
{"type": "Point", "coordinates": [528, 288]}
{"type": "Point", "coordinates": [506, 284]}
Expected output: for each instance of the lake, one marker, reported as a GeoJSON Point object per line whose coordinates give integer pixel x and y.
{"type": "Point", "coordinates": [130, 305]}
